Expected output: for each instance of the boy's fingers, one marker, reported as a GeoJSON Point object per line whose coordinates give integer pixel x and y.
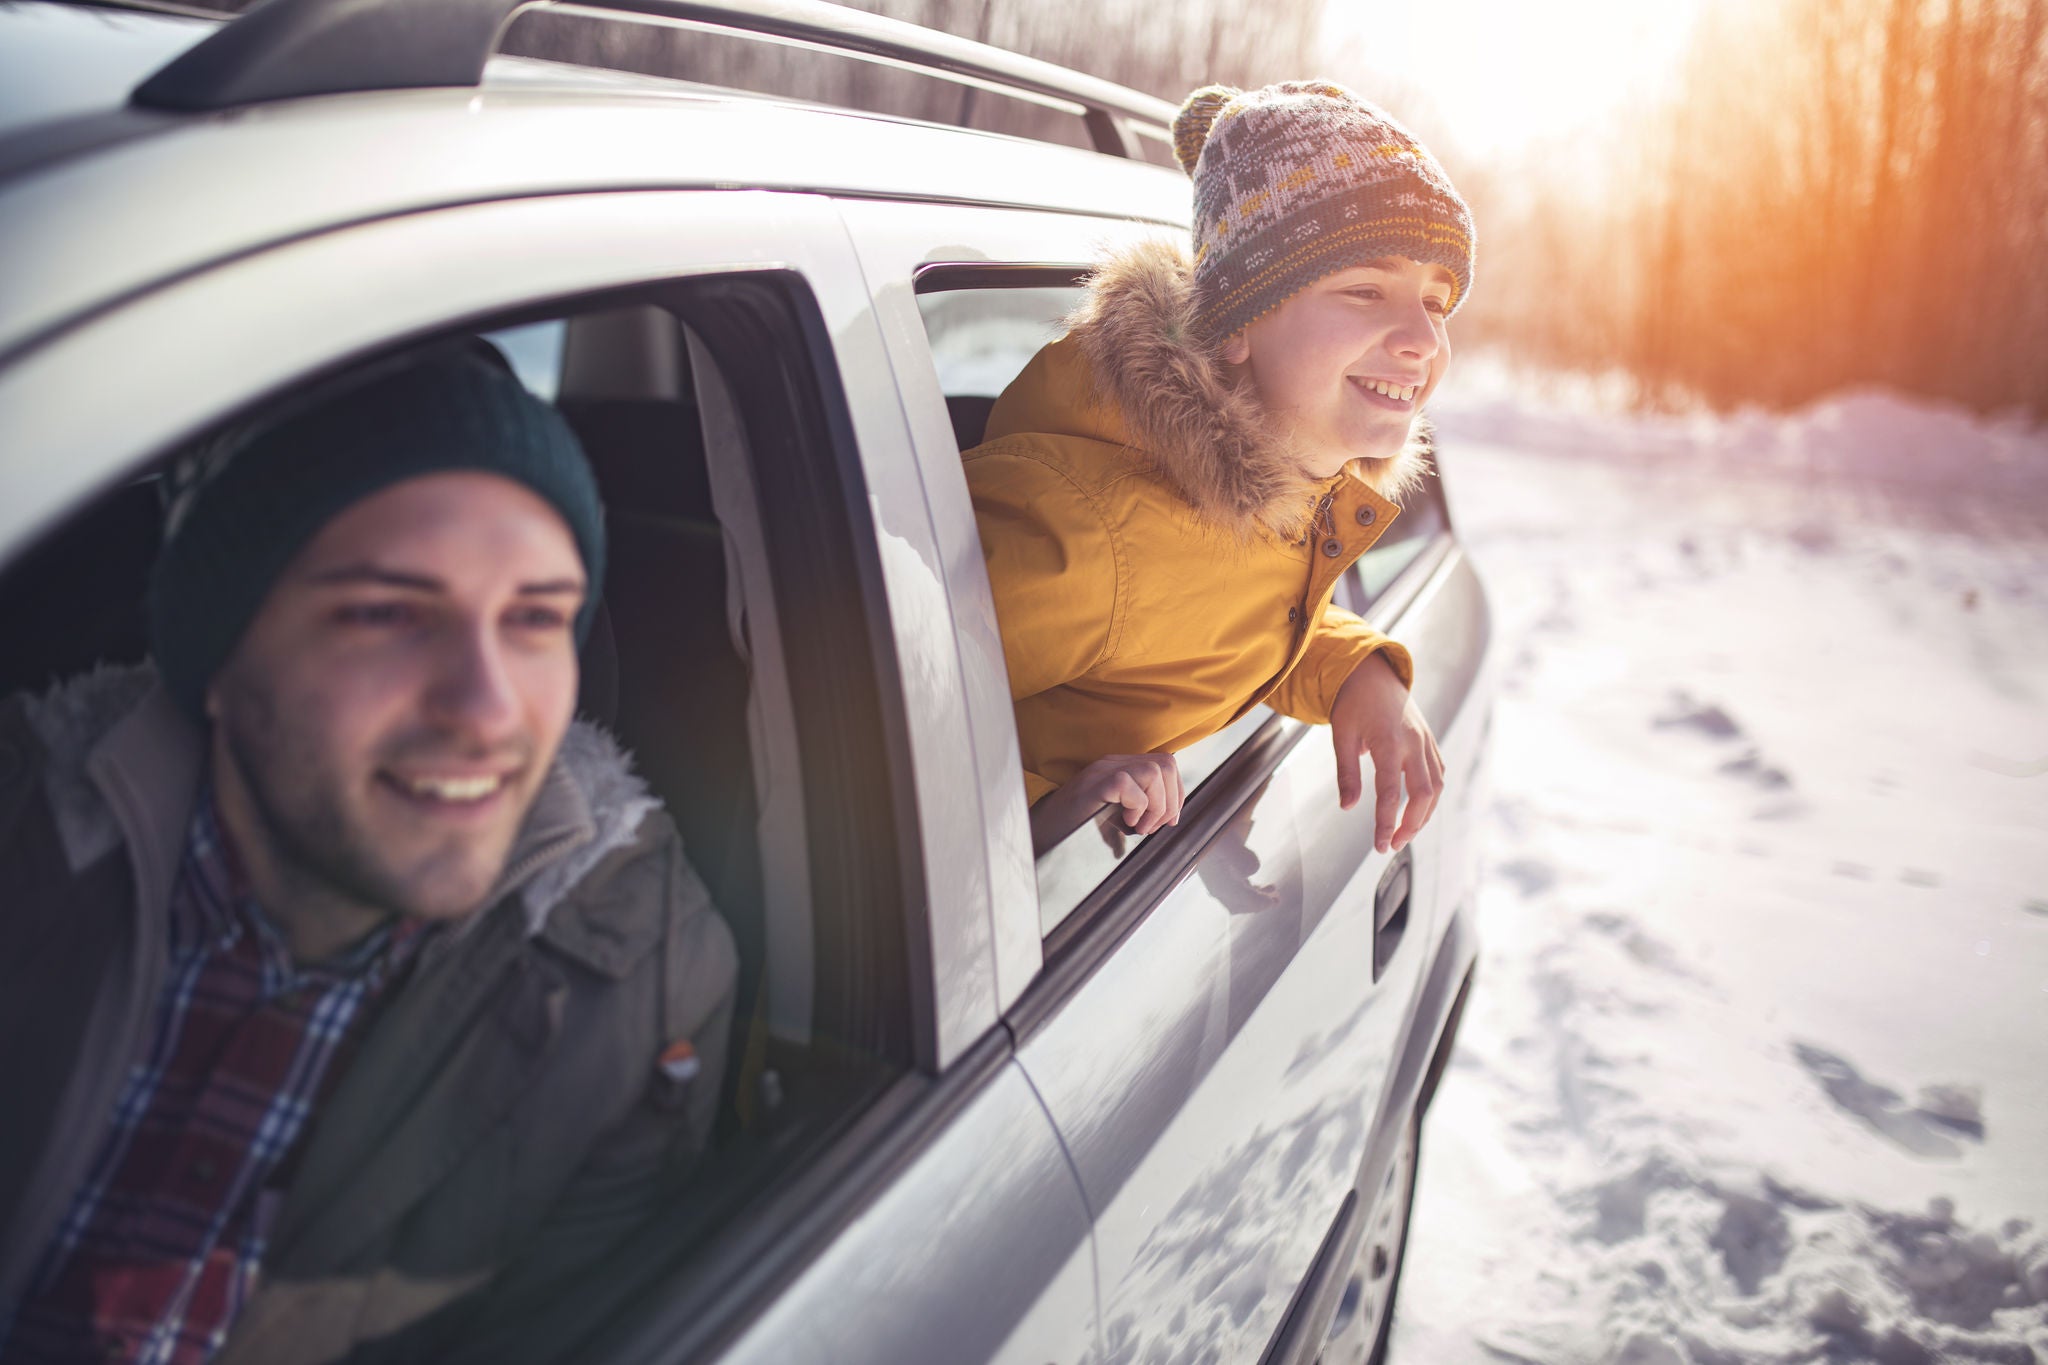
{"type": "Point", "coordinates": [1346, 745]}
{"type": "Point", "coordinates": [1155, 800]}
{"type": "Point", "coordinates": [1423, 791]}
{"type": "Point", "coordinates": [1386, 777]}
{"type": "Point", "coordinates": [1176, 791]}
{"type": "Point", "coordinates": [1127, 793]}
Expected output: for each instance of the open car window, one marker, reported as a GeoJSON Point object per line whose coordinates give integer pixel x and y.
{"type": "Point", "coordinates": [984, 323]}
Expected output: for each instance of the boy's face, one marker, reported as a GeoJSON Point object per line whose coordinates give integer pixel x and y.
{"type": "Point", "coordinates": [1321, 359]}
{"type": "Point", "coordinates": [389, 715]}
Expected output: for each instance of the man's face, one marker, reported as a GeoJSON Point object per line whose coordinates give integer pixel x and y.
{"type": "Point", "coordinates": [1321, 359]}
{"type": "Point", "coordinates": [396, 701]}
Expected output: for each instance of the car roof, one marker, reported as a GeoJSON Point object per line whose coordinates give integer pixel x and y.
{"type": "Point", "coordinates": [99, 199]}
{"type": "Point", "coordinates": [63, 61]}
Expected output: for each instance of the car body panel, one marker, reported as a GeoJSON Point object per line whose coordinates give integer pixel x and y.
{"type": "Point", "coordinates": [63, 62]}
{"type": "Point", "coordinates": [979, 1250]}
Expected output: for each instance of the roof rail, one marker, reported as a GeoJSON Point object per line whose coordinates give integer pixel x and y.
{"type": "Point", "coordinates": [283, 49]}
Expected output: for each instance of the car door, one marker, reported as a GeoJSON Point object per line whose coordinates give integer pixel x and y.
{"type": "Point", "coordinates": [1224, 1030]}
{"type": "Point", "coordinates": [929, 1213]}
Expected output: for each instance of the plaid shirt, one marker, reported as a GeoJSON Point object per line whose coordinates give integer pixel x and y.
{"type": "Point", "coordinates": [162, 1244]}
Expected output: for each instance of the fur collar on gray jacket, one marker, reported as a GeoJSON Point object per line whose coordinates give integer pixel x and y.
{"type": "Point", "coordinates": [589, 806]}
{"type": "Point", "coordinates": [1204, 426]}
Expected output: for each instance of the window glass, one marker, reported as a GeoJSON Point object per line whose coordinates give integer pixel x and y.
{"type": "Point", "coordinates": [535, 352]}
{"type": "Point", "coordinates": [1422, 517]}
{"type": "Point", "coordinates": [981, 339]}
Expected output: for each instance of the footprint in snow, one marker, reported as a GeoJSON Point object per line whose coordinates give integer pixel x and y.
{"type": "Point", "coordinates": [1640, 944]}
{"type": "Point", "coordinates": [1923, 1130]}
{"type": "Point", "coordinates": [1686, 713]}
{"type": "Point", "coordinates": [1531, 876]}
{"type": "Point", "coordinates": [1751, 768]}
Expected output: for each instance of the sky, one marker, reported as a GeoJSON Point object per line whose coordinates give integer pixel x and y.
{"type": "Point", "coordinates": [1503, 74]}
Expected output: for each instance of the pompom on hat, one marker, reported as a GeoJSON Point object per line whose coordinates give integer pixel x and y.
{"type": "Point", "coordinates": [1297, 180]}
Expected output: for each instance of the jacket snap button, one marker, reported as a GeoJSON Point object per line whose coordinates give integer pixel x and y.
{"type": "Point", "coordinates": [1294, 616]}
{"type": "Point", "coordinates": [1366, 516]}
{"type": "Point", "coordinates": [1333, 547]}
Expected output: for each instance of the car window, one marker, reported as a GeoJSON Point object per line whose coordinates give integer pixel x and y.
{"type": "Point", "coordinates": [703, 670]}
{"type": "Point", "coordinates": [535, 353]}
{"type": "Point", "coordinates": [982, 338]}
{"type": "Point", "coordinates": [1422, 520]}
{"type": "Point", "coordinates": [984, 322]}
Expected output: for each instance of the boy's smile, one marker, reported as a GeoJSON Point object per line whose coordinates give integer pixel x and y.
{"type": "Point", "coordinates": [1351, 359]}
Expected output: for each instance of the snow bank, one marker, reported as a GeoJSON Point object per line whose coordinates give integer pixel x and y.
{"type": "Point", "coordinates": [1756, 1071]}
{"type": "Point", "coordinates": [1867, 434]}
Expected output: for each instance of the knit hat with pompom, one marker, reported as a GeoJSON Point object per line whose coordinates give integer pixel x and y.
{"type": "Point", "coordinates": [1300, 179]}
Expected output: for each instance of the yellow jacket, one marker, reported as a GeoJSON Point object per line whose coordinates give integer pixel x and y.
{"type": "Point", "coordinates": [1159, 566]}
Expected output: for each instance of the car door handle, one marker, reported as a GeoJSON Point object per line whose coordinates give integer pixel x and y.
{"type": "Point", "coordinates": [1390, 911]}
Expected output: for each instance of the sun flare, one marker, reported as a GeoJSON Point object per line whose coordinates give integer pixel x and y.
{"type": "Point", "coordinates": [1502, 74]}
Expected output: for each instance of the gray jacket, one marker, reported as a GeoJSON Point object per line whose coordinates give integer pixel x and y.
{"type": "Point", "coordinates": [504, 1122]}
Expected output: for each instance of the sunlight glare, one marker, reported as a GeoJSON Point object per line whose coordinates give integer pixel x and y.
{"type": "Point", "coordinates": [1503, 74]}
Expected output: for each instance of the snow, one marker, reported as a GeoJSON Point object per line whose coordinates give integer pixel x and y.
{"type": "Point", "coordinates": [1756, 1069]}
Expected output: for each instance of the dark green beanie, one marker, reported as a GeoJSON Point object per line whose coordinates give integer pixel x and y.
{"type": "Point", "coordinates": [242, 505]}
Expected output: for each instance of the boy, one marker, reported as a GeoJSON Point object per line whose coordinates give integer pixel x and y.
{"type": "Point", "coordinates": [1170, 493]}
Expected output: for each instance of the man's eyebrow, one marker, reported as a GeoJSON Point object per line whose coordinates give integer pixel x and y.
{"type": "Point", "coordinates": [351, 574]}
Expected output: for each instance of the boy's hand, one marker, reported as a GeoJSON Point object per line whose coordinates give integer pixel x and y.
{"type": "Point", "coordinates": [1147, 786]}
{"type": "Point", "coordinates": [1374, 715]}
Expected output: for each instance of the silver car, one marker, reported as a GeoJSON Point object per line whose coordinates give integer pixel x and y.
{"type": "Point", "coordinates": [1112, 1100]}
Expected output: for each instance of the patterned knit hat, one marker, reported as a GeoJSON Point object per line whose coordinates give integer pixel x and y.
{"type": "Point", "coordinates": [239, 506]}
{"type": "Point", "coordinates": [1301, 179]}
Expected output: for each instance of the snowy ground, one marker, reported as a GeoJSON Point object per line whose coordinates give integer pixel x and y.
{"type": "Point", "coordinates": [1757, 1066]}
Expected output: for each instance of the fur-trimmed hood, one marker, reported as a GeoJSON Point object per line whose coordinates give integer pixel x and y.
{"type": "Point", "coordinates": [1162, 389]}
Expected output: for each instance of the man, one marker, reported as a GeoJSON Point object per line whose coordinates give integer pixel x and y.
{"type": "Point", "coordinates": [348, 990]}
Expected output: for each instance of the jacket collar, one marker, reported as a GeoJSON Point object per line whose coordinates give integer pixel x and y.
{"type": "Point", "coordinates": [1134, 372]}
